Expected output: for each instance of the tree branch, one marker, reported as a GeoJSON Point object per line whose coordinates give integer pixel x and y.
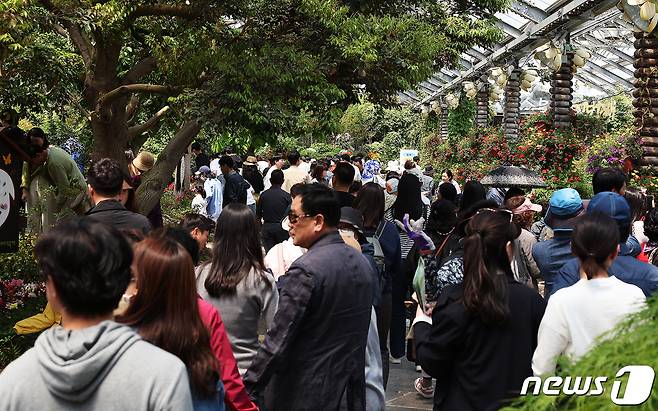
{"type": "Point", "coordinates": [77, 36]}
{"type": "Point", "coordinates": [81, 42]}
{"type": "Point", "coordinates": [155, 180]}
{"type": "Point", "coordinates": [167, 10]}
{"type": "Point", "coordinates": [131, 108]}
{"type": "Point", "coordinates": [137, 88]}
{"type": "Point", "coordinates": [135, 131]}
{"type": "Point", "coordinates": [139, 70]}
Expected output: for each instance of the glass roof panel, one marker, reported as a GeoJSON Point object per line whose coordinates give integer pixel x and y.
{"type": "Point", "coordinates": [512, 19]}
{"type": "Point", "coordinates": [605, 34]}
{"type": "Point", "coordinates": [542, 4]}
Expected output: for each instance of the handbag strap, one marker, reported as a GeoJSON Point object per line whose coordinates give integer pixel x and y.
{"type": "Point", "coordinates": [445, 240]}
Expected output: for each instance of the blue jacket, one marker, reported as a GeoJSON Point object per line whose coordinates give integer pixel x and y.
{"type": "Point", "coordinates": [625, 267]}
{"type": "Point", "coordinates": [550, 256]}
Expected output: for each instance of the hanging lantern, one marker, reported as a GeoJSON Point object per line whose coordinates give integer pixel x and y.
{"type": "Point", "coordinates": [470, 89]}
{"type": "Point", "coordinates": [550, 56]}
{"type": "Point", "coordinates": [580, 58]}
{"type": "Point", "coordinates": [641, 13]}
{"type": "Point", "coordinates": [527, 78]}
{"type": "Point", "coordinates": [495, 93]}
{"type": "Point", "coordinates": [498, 77]}
{"type": "Point", "coordinates": [452, 101]}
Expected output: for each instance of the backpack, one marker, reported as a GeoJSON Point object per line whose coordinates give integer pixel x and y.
{"type": "Point", "coordinates": [380, 260]}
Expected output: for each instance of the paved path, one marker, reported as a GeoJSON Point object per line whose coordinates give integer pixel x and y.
{"type": "Point", "coordinates": [400, 393]}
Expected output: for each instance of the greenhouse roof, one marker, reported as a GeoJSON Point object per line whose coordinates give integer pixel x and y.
{"type": "Point", "coordinates": [594, 25]}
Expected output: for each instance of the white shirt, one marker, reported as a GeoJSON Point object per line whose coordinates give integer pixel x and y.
{"type": "Point", "coordinates": [305, 166]}
{"type": "Point", "coordinates": [262, 165]}
{"type": "Point", "coordinates": [199, 205]}
{"type": "Point", "coordinates": [577, 315]}
{"type": "Point", "coordinates": [214, 167]}
{"type": "Point", "coordinates": [281, 256]}
{"type": "Point", "coordinates": [250, 196]}
{"type": "Point", "coordinates": [357, 173]}
{"type": "Point", "coordinates": [266, 181]}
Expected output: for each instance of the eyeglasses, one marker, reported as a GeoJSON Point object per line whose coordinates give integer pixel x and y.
{"type": "Point", "coordinates": [496, 210]}
{"type": "Point", "coordinates": [294, 218]}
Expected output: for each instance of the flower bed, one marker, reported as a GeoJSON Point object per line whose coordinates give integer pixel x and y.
{"type": "Point", "coordinates": [562, 158]}
{"type": "Point", "coordinates": [22, 294]}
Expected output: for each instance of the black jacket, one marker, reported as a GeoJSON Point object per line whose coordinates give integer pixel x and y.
{"type": "Point", "coordinates": [113, 213]}
{"type": "Point", "coordinates": [235, 189]}
{"type": "Point", "coordinates": [478, 365]}
{"type": "Point", "coordinates": [254, 177]}
{"type": "Point", "coordinates": [273, 204]}
{"type": "Point", "coordinates": [314, 351]}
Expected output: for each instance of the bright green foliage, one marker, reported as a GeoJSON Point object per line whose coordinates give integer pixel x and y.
{"type": "Point", "coordinates": [320, 151]}
{"type": "Point", "coordinates": [395, 128]}
{"type": "Point", "coordinates": [634, 345]}
{"type": "Point", "coordinates": [461, 119]}
{"type": "Point", "coordinates": [39, 69]}
{"type": "Point", "coordinates": [273, 69]}
{"type": "Point", "coordinates": [360, 122]}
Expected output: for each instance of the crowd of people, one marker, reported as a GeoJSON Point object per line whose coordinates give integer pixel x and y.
{"type": "Point", "coordinates": [292, 285]}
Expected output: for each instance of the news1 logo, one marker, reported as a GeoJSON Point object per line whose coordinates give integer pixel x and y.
{"type": "Point", "coordinates": [638, 386]}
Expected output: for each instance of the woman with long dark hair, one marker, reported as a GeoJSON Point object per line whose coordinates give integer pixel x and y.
{"type": "Point", "coordinates": [370, 201]}
{"type": "Point", "coordinates": [473, 192]}
{"type": "Point", "coordinates": [318, 174]}
{"type": "Point", "coordinates": [409, 202]}
{"type": "Point", "coordinates": [576, 316]}
{"type": "Point", "coordinates": [236, 282]}
{"type": "Point", "coordinates": [480, 339]}
{"type": "Point", "coordinates": [165, 312]}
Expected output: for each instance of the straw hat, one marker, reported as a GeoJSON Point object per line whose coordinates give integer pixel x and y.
{"type": "Point", "coordinates": [250, 161]}
{"type": "Point", "coordinates": [144, 161]}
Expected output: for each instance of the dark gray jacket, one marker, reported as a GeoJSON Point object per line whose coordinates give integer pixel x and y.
{"type": "Point", "coordinates": [314, 352]}
{"type": "Point", "coordinates": [113, 213]}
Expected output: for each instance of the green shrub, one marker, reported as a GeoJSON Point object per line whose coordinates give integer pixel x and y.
{"type": "Point", "coordinates": [21, 264]}
{"type": "Point", "coordinates": [461, 119]}
{"type": "Point", "coordinates": [320, 150]}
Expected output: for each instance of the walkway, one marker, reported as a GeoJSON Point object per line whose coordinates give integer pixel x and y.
{"type": "Point", "coordinates": [400, 393]}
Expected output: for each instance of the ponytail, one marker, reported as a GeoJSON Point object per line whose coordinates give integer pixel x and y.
{"type": "Point", "coordinates": [485, 280]}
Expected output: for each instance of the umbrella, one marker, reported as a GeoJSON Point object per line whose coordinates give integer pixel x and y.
{"type": "Point", "coordinates": [512, 176]}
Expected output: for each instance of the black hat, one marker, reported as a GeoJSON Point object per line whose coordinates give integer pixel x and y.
{"type": "Point", "coordinates": [353, 217]}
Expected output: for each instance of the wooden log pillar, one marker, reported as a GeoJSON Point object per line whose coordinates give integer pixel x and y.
{"type": "Point", "coordinates": [482, 105]}
{"type": "Point", "coordinates": [562, 93]}
{"type": "Point", "coordinates": [512, 108]}
{"type": "Point", "coordinates": [646, 95]}
{"type": "Point", "coordinates": [443, 123]}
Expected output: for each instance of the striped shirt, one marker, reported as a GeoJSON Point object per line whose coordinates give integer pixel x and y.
{"type": "Point", "coordinates": [406, 244]}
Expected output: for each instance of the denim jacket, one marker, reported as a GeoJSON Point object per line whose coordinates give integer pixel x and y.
{"type": "Point", "coordinates": [625, 267]}
{"type": "Point", "coordinates": [550, 256]}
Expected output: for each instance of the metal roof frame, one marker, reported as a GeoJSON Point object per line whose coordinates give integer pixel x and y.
{"type": "Point", "coordinates": [562, 16]}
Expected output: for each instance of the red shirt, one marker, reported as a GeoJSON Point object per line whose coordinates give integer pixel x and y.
{"type": "Point", "coordinates": [236, 397]}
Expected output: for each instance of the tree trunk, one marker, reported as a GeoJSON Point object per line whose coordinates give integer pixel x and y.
{"type": "Point", "coordinates": [108, 120]}
{"type": "Point", "coordinates": [111, 134]}
{"type": "Point", "coordinates": [155, 181]}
